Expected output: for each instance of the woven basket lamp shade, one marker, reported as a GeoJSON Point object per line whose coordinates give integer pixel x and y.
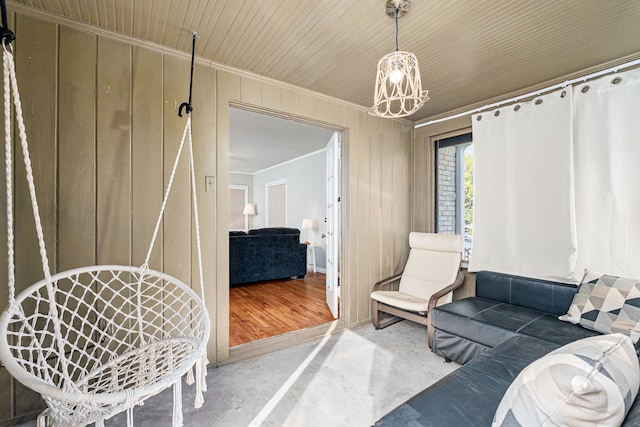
{"type": "Point", "coordinates": [398, 90]}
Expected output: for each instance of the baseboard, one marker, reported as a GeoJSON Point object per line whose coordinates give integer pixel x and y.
{"type": "Point", "coordinates": [269, 345]}
{"type": "Point", "coordinates": [361, 323]}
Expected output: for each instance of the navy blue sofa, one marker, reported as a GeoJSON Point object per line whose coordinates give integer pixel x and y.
{"type": "Point", "coordinates": [266, 254]}
{"type": "Point", "coordinates": [511, 322]}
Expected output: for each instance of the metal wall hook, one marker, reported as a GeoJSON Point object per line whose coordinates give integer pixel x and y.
{"type": "Point", "coordinates": [187, 105]}
{"type": "Point", "coordinates": [6, 34]}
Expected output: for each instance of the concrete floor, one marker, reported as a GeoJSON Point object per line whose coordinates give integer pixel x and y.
{"type": "Point", "coordinates": [351, 378]}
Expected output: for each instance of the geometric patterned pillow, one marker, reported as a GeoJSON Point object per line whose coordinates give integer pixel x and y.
{"type": "Point", "coordinates": [590, 382]}
{"type": "Point", "coordinates": [607, 304]}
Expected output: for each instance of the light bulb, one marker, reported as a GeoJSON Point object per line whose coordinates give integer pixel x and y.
{"type": "Point", "coordinates": [395, 76]}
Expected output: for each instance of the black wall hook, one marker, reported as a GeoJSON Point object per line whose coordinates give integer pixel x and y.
{"type": "Point", "coordinates": [187, 105]}
{"type": "Point", "coordinates": [5, 33]}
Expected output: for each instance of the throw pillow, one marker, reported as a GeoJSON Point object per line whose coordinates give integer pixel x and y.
{"type": "Point", "coordinates": [590, 382]}
{"type": "Point", "coordinates": [607, 304]}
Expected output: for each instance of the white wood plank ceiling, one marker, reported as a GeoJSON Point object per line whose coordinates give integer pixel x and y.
{"type": "Point", "coordinates": [469, 51]}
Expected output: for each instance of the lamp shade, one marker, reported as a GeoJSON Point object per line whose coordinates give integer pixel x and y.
{"type": "Point", "coordinates": [249, 209]}
{"type": "Point", "coordinates": [398, 87]}
{"type": "Point", "coordinates": [307, 224]}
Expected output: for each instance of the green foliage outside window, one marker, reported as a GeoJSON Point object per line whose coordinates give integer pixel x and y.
{"type": "Point", "coordinates": [468, 192]}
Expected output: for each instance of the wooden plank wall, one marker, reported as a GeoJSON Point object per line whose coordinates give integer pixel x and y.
{"type": "Point", "coordinates": [6, 389]}
{"type": "Point", "coordinates": [101, 118]}
{"type": "Point", "coordinates": [376, 195]}
{"type": "Point", "coordinates": [101, 115]}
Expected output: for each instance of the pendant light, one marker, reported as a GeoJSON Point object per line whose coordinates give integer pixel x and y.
{"type": "Point", "coordinates": [398, 87]}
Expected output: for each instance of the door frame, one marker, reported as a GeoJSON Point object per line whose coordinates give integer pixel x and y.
{"type": "Point", "coordinates": [222, 313]}
{"type": "Point", "coordinates": [333, 220]}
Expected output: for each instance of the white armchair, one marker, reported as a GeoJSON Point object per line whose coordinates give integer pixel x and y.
{"type": "Point", "coordinates": [429, 278]}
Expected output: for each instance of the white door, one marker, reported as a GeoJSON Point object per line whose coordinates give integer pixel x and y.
{"type": "Point", "coordinates": [333, 223]}
{"type": "Point", "coordinates": [238, 198]}
{"type": "Point", "coordinates": [276, 204]}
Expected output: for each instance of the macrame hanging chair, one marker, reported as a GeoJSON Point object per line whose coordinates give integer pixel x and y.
{"type": "Point", "coordinates": [98, 340]}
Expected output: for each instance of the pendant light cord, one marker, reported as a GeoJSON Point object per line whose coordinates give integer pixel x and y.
{"type": "Point", "coordinates": [397, 11]}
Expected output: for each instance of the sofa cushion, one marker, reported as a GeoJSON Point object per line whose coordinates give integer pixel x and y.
{"type": "Point", "coordinates": [470, 395]}
{"type": "Point", "coordinates": [463, 350]}
{"type": "Point", "coordinates": [487, 322]}
{"type": "Point", "coordinates": [536, 294]}
{"type": "Point", "coordinates": [548, 328]}
{"type": "Point", "coordinates": [590, 382]}
{"type": "Point", "coordinates": [273, 230]}
{"type": "Point", "coordinates": [469, 326]}
{"type": "Point", "coordinates": [607, 304]}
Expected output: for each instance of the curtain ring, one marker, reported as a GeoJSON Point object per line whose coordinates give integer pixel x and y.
{"type": "Point", "coordinates": [478, 118]}
{"type": "Point", "coordinates": [585, 89]}
{"type": "Point", "coordinates": [497, 113]}
{"type": "Point", "coordinates": [616, 80]}
{"type": "Point", "coordinates": [538, 101]}
{"type": "Point", "coordinates": [516, 108]}
{"type": "Point", "coordinates": [563, 94]}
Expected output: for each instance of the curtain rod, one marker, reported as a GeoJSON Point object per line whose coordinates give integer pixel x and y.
{"type": "Point", "coordinates": [534, 93]}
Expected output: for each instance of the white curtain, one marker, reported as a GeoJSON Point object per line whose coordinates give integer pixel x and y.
{"type": "Point", "coordinates": [557, 184]}
{"type": "Point", "coordinates": [607, 174]}
{"type": "Point", "coordinates": [523, 197]}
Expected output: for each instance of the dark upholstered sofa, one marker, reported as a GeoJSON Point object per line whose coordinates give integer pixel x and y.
{"type": "Point", "coordinates": [511, 322]}
{"type": "Point", "coordinates": [266, 254]}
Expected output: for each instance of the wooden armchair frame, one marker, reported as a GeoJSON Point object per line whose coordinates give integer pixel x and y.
{"type": "Point", "coordinates": [399, 314]}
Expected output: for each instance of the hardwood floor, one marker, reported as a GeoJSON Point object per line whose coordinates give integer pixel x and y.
{"type": "Point", "coordinates": [266, 309]}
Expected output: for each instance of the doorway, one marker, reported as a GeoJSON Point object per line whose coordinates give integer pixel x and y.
{"type": "Point", "coordinates": [291, 167]}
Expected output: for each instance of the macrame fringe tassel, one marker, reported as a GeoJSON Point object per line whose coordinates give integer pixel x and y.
{"type": "Point", "coordinates": [100, 423]}
{"type": "Point", "coordinates": [190, 378]}
{"type": "Point", "coordinates": [199, 380]}
{"type": "Point", "coordinates": [130, 417]}
{"type": "Point", "coordinates": [205, 363]}
{"type": "Point", "coordinates": [42, 419]}
{"type": "Point", "coordinates": [177, 403]}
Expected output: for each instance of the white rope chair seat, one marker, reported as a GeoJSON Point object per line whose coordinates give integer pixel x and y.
{"type": "Point", "coordinates": [141, 367]}
{"type": "Point", "coordinates": [128, 333]}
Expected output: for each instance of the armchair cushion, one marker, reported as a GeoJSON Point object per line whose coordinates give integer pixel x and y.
{"type": "Point", "coordinates": [434, 262]}
{"type": "Point", "coordinates": [436, 242]}
{"type": "Point", "coordinates": [401, 300]}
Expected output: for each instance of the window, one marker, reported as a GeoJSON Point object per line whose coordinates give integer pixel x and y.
{"type": "Point", "coordinates": [454, 188]}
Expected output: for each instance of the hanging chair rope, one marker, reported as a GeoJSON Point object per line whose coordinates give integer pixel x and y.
{"type": "Point", "coordinates": [187, 129]}
{"type": "Point", "coordinates": [11, 87]}
{"type": "Point", "coordinates": [155, 327]}
{"type": "Point", "coordinates": [9, 176]}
